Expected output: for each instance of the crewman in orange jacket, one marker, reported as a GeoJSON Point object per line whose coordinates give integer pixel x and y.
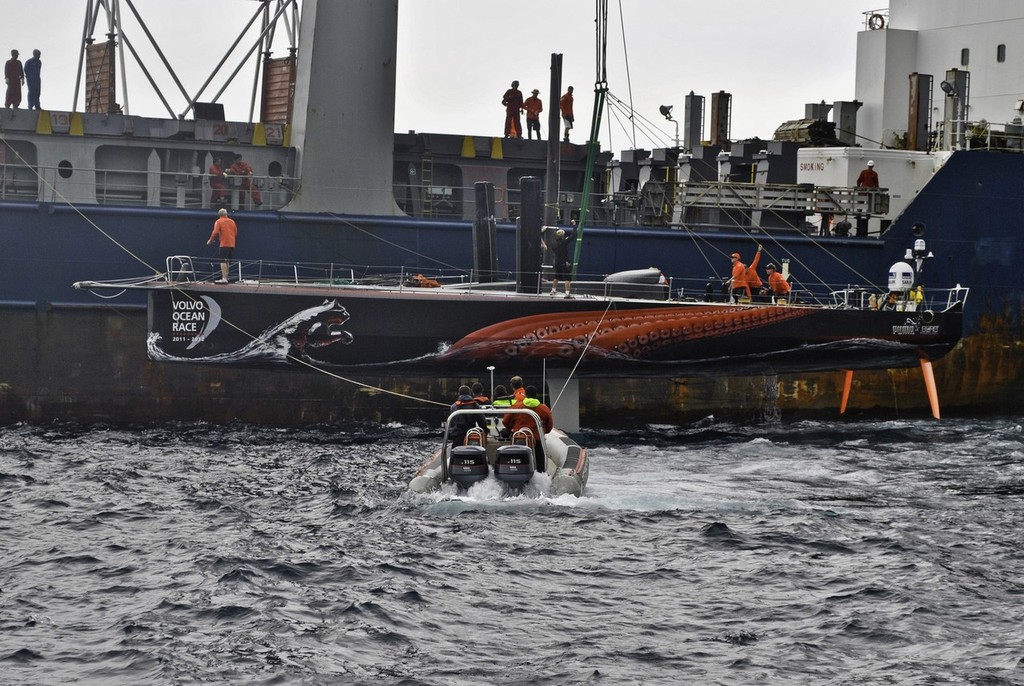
{"type": "Point", "coordinates": [518, 391]}
{"type": "Point", "coordinates": [754, 282]}
{"type": "Point", "coordinates": [514, 421]}
{"type": "Point", "coordinates": [778, 285]}
{"type": "Point", "coordinates": [533, 107]}
{"type": "Point", "coordinates": [225, 231]}
{"type": "Point", "coordinates": [738, 283]}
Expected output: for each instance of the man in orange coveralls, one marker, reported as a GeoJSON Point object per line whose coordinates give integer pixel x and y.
{"type": "Point", "coordinates": [219, 194]}
{"type": "Point", "coordinates": [241, 168]}
{"type": "Point", "coordinates": [226, 231]}
{"type": "Point", "coordinates": [513, 102]}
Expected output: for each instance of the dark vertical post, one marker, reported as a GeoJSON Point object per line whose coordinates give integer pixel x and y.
{"type": "Point", "coordinates": [554, 135]}
{"type": "Point", "coordinates": [485, 247]}
{"type": "Point", "coordinates": [528, 236]}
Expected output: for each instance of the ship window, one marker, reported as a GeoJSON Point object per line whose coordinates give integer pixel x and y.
{"type": "Point", "coordinates": [1001, 53]}
{"type": "Point", "coordinates": [917, 229]}
{"type": "Point", "coordinates": [64, 169]}
{"type": "Point", "coordinates": [965, 57]}
{"type": "Point", "coordinates": [274, 169]}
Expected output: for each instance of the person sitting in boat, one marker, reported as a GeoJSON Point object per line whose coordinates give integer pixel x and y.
{"type": "Point", "coordinates": [518, 391]}
{"type": "Point", "coordinates": [738, 283]}
{"type": "Point", "coordinates": [501, 397]}
{"type": "Point", "coordinates": [515, 421]}
{"type": "Point", "coordinates": [478, 394]}
{"type": "Point", "coordinates": [777, 284]}
{"type": "Point", "coordinates": [459, 426]}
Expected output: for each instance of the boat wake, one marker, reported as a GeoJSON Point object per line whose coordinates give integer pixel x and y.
{"type": "Point", "coordinates": [493, 494]}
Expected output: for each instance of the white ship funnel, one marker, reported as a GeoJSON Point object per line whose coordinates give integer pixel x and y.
{"type": "Point", "coordinates": [343, 125]}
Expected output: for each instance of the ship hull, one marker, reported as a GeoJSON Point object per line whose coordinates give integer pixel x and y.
{"type": "Point", "coordinates": [90, 365]}
{"type": "Point", "coordinates": [56, 338]}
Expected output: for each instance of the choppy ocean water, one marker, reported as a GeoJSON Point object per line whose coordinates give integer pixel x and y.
{"type": "Point", "coordinates": [790, 553]}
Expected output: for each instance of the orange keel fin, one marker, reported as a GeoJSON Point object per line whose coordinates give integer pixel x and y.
{"type": "Point", "coordinates": [929, 385]}
{"type": "Point", "coordinates": [847, 382]}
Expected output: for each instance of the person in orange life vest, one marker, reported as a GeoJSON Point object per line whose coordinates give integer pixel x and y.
{"type": "Point", "coordinates": [738, 282]}
{"type": "Point", "coordinates": [565, 106]}
{"type": "Point", "coordinates": [477, 389]}
{"type": "Point", "coordinates": [533, 107]}
{"type": "Point", "coordinates": [869, 177]}
{"type": "Point", "coordinates": [460, 426]}
{"type": "Point", "coordinates": [220, 194]}
{"type": "Point", "coordinates": [519, 420]}
{"type": "Point", "coordinates": [225, 231]}
{"type": "Point", "coordinates": [518, 392]}
{"type": "Point", "coordinates": [778, 285]}
{"type": "Point", "coordinates": [513, 102]}
{"type": "Point", "coordinates": [241, 168]}
{"type": "Point", "coordinates": [754, 282]}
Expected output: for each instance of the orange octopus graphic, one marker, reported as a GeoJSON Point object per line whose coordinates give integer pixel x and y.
{"type": "Point", "coordinates": [643, 334]}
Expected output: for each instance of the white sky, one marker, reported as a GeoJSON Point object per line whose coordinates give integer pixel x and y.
{"type": "Point", "coordinates": [457, 57]}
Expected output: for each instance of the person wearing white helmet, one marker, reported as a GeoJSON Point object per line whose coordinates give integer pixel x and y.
{"type": "Point", "coordinates": [869, 177]}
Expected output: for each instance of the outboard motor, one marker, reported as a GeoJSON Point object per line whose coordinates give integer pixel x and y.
{"type": "Point", "coordinates": [513, 463]}
{"type": "Point", "coordinates": [468, 462]}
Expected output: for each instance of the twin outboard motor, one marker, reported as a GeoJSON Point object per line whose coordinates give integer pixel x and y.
{"type": "Point", "coordinates": [468, 465]}
{"type": "Point", "coordinates": [514, 464]}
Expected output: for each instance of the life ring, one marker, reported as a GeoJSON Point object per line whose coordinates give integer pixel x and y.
{"type": "Point", "coordinates": [876, 21]}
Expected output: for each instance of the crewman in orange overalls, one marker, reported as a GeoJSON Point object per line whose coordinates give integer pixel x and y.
{"type": "Point", "coordinates": [220, 194]}
{"type": "Point", "coordinates": [241, 168]}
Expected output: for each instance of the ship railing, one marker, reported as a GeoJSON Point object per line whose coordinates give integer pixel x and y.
{"type": "Point", "coordinates": [180, 268]}
{"type": "Point", "coordinates": [915, 300]}
{"type": "Point", "coordinates": [780, 199]}
{"type": "Point", "coordinates": [717, 205]}
{"type": "Point", "coordinates": [140, 188]}
{"type": "Point", "coordinates": [957, 297]}
{"type": "Point", "coordinates": [711, 289]}
{"type": "Point", "coordinates": [980, 135]}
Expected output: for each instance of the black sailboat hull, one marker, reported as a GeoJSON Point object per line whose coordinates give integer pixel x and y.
{"type": "Point", "coordinates": [403, 330]}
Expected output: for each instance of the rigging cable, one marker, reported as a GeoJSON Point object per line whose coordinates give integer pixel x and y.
{"type": "Point", "coordinates": [629, 82]}
{"type": "Point", "coordinates": [583, 353]}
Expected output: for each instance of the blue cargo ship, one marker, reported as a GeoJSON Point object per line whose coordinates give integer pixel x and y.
{"type": "Point", "coordinates": [97, 194]}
